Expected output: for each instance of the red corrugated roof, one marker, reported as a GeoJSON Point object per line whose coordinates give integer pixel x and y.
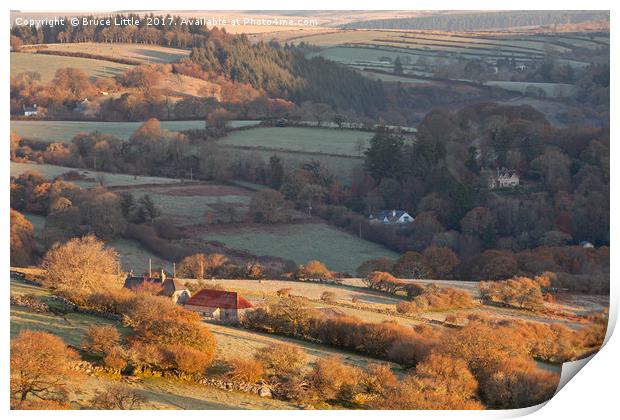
{"type": "Point", "coordinates": [219, 299]}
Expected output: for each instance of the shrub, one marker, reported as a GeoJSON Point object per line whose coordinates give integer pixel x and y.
{"type": "Point", "coordinates": [118, 397]}
{"type": "Point", "coordinates": [435, 298]}
{"type": "Point", "coordinates": [101, 338]}
{"type": "Point", "coordinates": [379, 280]}
{"type": "Point", "coordinates": [315, 270]}
{"type": "Point", "coordinates": [406, 307]}
{"type": "Point", "coordinates": [188, 359]}
{"type": "Point", "coordinates": [115, 358]}
{"type": "Point", "coordinates": [246, 370]}
{"type": "Point", "coordinates": [377, 378]}
{"type": "Point", "coordinates": [328, 297]}
{"type": "Point", "coordinates": [331, 380]}
{"type": "Point", "coordinates": [113, 301]}
{"type": "Point", "coordinates": [283, 360]}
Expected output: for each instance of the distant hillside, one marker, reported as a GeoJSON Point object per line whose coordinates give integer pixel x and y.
{"type": "Point", "coordinates": [477, 21]}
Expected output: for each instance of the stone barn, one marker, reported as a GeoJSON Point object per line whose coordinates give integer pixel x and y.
{"type": "Point", "coordinates": [170, 287]}
{"type": "Point", "coordinates": [219, 305]}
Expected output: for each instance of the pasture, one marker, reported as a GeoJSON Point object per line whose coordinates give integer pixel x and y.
{"type": "Point", "coordinates": [171, 394]}
{"type": "Point", "coordinates": [193, 204]}
{"type": "Point", "coordinates": [241, 343]}
{"type": "Point", "coordinates": [551, 90]}
{"type": "Point", "coordinates": [133, 256]}
{"type": "Point", "coordinates": [72, 329]}
{"type": "Point", "coordinates": [330, 141]}
{"type": "Point", "coordinates": [47, 65]}
{"type": "Point", "coordinates": [339, 250]}
{"type": "Point", "coordinates": [153, 54]}
{"type": "Point", "coordinates": [89, 178]}
{"type": "Point", "coordinates": [54, 131]}
{"type": "Point", "coordinates": [341, 166]}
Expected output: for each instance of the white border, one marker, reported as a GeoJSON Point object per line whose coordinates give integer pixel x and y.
{"type": "Point", "coordinates": [591, 396]}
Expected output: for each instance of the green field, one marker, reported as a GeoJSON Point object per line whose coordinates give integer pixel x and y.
{"type": "Point", "coordinates": [339, 250]}
{"type": "Point", "coordinates": [109, 179]}
{"type": "Point", "coordinates": [192, 204]}
{"type": "Point", "coordinates": [140, 52]}
{"type": "Point", "coordinates": [66, 130]}
{"type": "Point", "coordinates": [339, 166]}
{"type": "Point", "coordinates": [552, 90]}
{"type": "Point", "coordinates": [46, 65]}
{"type": "Point", "coordinates": [302, 139]}
{"type": "Point", "coordinates": [134, 257]}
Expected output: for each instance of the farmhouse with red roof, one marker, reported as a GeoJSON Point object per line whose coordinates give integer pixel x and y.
{"type": "Point", "coordinates": [219, 305]}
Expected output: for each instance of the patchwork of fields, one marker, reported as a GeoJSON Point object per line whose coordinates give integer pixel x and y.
{"type": "Point", "coordinates": [195, 208]}
{"type": "Point", "coordinates": [523, 47]}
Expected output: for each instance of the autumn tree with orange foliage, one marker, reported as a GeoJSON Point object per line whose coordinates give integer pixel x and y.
{"type": "Point", "coordinates": [101, 338]}
{"type": "Point", "coordinates": [520, 292]}
{"type": "Point", "coordinates": [22, 240]}
{"type": "Point", "coordinates": [41, 368]}
{"type": "Point", "coordinates": [500, 361]}
{"type": "Point", "coordinates": [314, 270]}
{"type": "Point", "coordinates": [200, 265]}
{"type": "Point", "coordinates": [439, 261]}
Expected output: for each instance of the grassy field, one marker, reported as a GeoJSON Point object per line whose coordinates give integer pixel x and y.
{"type": "Point", "coordinates": [90, 180]}
{"type": "Point", "coordinates": [339, 166]}
{"type": "Point", "coordinates": [551, 90]}
{"type": "Point", "coordinates": [66, 130]}
{"type": "Point", "coordinates": [405, 81]}
{"type": "Point", "coordinates": [237, 342]}
{"type": "Point", "coordinates": [301, 139]}
{"type": "Point", "coordinates": [134, 257]}
{"type": "Point", "coordinates": [191, 204]}
{"type": "Point", "coordinates": [71, 330]}
{"type": "Point", "coordinates": [139, 52]}
{"type": "Point", "coordinates": [339, 250]}
{"type": "Point", "coordinates": [46, 65]}
{"type": "Point", "coordinates": [168, 394]}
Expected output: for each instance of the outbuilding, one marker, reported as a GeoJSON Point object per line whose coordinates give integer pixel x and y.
{"type": "Point", "coordinates": [219, 305]}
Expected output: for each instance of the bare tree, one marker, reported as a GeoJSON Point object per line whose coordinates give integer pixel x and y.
{"type": "Point", "coordinates": [118, 397]}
